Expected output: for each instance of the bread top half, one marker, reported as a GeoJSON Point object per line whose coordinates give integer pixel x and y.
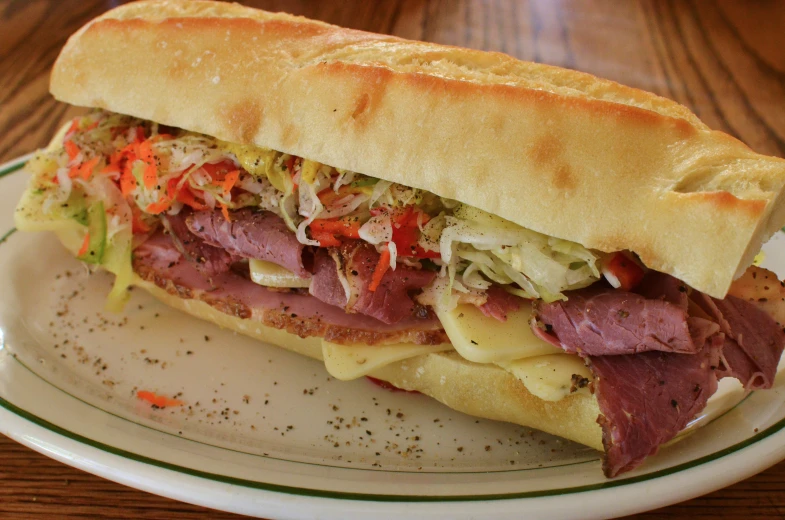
{"type": "Point", "coordinates": [557, 151]}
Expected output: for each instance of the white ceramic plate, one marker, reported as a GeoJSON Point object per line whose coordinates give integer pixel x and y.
{"type": "Point", "coordinates": [265, 432]}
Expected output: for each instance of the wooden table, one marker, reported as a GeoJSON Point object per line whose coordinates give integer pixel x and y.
{"type": "Point", "coordinates": [723, 59]}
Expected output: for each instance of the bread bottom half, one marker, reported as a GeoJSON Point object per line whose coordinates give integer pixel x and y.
{"type": "Point", "coordinates": [476, 389]}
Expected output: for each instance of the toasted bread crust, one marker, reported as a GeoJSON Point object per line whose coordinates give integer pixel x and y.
{"type": "Point", "coordinates": [574, 156]}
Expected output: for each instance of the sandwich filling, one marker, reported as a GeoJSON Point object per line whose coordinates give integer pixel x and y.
{"type": "Point", "coordinates": [360, 261]}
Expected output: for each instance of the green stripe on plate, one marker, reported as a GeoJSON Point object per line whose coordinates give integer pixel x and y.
{"type": "Point", "coordinates": [377, 497]}
{"type": "Point", "coordinates": [13, 167]}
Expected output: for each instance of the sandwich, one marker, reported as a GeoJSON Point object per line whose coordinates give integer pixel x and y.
{"type": "Point", "coordinates": [521, 242]}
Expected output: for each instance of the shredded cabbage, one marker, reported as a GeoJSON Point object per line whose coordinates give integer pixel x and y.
{"type": "Point", "coordinates": [473, 249]}
{"type": "Point", "coordinates": [505, 253]}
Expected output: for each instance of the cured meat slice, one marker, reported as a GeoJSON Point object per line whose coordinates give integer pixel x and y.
{"type": "Point", "coordinates": [252, 234]}
{"type": "Point", "coordinates": [647, 398]}
{"type": "Point", "coordinates": [158, 261]}
{"type": "Point", "coordinates": [599, 321]}
{"type": "Point", "coordinates": [347, 285]}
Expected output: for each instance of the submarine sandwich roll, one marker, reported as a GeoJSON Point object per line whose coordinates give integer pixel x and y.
{"type": "Point", "coordinates": [521, 242]}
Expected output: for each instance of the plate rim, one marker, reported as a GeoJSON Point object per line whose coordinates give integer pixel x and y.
{"type": "Point", "coordinates": [734, 452]}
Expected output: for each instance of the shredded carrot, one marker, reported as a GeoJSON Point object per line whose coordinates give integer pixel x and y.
{"type": "Point", "coordinates": [381, 268]}
{"type": "Point", "coordinates": [74, 126]}
{"type": "Point", "coordinates": [127, 181]}
{"type": "Point", "coordinates": [157, 400]}
{"type": "Point", "coordinates": [150, 176]}
{"type": "Point", "coordinates": [85, 245]}
{"type": "Point", "coordinates": [159, 207]}
{"type": "Point", "coordinates": [86, 169]}
{"type": "Point", "coordinates": [230, 180]}
{"type": "Point", "coordinates": [225, 212]}
{"type": "Point", "coordinates": [71, 149]}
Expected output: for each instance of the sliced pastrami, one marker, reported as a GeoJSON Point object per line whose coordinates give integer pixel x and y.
{"type": "Point", "coordinates": [499, 303]}
{"type": "Point", "coordinates": [158, 261]}
{"type": "Point", "coordinates": [252, 234]}
{"type": "Point", "coordinates": [646, 399]}
{"type": "Point", "coordinates": [342, 276]}
{"type": "Point", "coordinates": [753, 340]}
{"type": "Point", "coordinates": [209, 260]}
{"type": "Point", "coordinates": [600, 321]}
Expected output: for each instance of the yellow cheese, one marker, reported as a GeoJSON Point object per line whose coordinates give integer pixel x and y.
{"type": "Point", "coordinates": [273, 275]}
{"type": "Point", "coordinates": [548, 377]}
{"type": "Point", "coordinates": [346, 362]}
{"type": "Point", "coordinates": [487, 340]}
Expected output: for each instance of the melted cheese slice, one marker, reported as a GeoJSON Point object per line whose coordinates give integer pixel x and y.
{"type": "Point", "coordinates": [548, 377]}
{"type": "Point", "coordinates": [346, 362]}
{"type": "Point", "coordinates": [273, 275]}
{"type": "Point", "coordinates": [487, 340]}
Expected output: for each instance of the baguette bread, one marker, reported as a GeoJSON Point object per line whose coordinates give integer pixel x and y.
{"type": "Point", "coordinates": [626, 169]}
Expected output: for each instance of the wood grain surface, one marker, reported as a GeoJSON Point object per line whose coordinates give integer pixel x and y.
{"type": "Point", "coordinates": [723, 59]}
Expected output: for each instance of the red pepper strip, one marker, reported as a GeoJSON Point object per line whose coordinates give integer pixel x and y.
{"type": "Point", "coordinates": [85, 245]}
{"type": "Point", "coordinates": [71, 149]}
{"type": "Point", "coordinates": [229, 181]}
{"type": "Point", "coordinates": [349, 228]}
{"type": "Point", "coordinates": [406, 240]}
{"type": "Point", "coordinates": [324, 238]}
{"type": "Point", "coordinates": [140, 134]}
{"type": "Point", "coordinates": [218, 171]}
{"type": "Point", "coordinates": [187, 197]}
{"type": "Point", "coordinates": [183, 194]}
{"type": "Point", "coordinates": [290, 168]}
{"type": "Point", "coordinates": [137, 224]}
{"type": "Point", "coordinates": [628, 273]}
{"type": "Point", "coordinates": [157, 400]}
{"type": "Point", "coordinates": [405, 232]}
{"type": "Point", "coordinates": [381, 268]}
